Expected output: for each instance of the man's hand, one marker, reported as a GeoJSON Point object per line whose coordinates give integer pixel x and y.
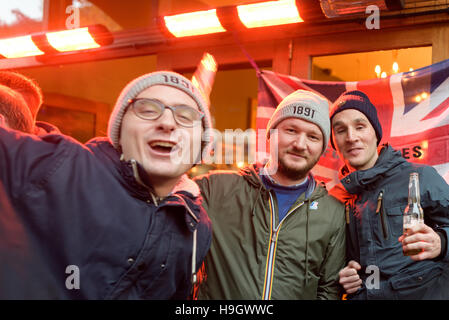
{"type": "Point", "coordinates": [423, 238]}
{"type": "Point", "coordinates": [349, 278]}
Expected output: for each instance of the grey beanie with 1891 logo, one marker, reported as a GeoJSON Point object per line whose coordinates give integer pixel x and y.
{"type": "Point", "coordinates": [305, 105]}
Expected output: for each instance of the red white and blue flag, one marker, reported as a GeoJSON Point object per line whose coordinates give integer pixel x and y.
{"type": "Point", "coordinates": [413, 108]}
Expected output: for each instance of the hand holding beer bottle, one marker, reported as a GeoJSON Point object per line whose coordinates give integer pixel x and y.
{"type": "Point", "coordinates": [413, 213]}
{"type": "Point", "coordinates": [419, 241]}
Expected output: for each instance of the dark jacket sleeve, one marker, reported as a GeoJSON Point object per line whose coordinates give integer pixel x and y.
{"type": "Point", "coordinates": [435, 202]}
{"type": "Point", "coordinates": [26, 161]}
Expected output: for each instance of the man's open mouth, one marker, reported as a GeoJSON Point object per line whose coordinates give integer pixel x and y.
{"type": "Point", "coordinates": [162, 146]}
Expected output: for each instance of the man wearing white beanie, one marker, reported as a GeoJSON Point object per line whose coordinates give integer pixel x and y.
{"type": "Point", "coordinates": [116, 218]}
{"type": "Point", "coordinates": [277, 233]}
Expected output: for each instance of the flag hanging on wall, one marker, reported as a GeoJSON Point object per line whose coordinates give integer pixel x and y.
{"type": "Point", "coordinates": [413, 108]}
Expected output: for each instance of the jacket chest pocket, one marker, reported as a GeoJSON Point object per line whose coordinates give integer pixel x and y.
{"type": "Point", "coordinates": [395, 220]}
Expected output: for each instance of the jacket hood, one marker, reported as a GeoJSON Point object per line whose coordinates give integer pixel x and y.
{"type": "Point", "coordinates": [251, 174]}
{"type": "Point", "coordinates": [135, 178]}
{"type": "Point", "coordinates": [386, 165]}
{"type": "Point", "coordinates": [41, 128]}
{"type": "Point", "coordinates": [185, 184]}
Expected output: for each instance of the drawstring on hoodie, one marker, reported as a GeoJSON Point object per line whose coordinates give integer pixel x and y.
{"type": "Point", "coordinates": [381, 213]}
{"type": "Point", "coordinates": [307, 244]}
{"type": "Point", "coordinates": [194, 277]}
{"type": "Point", "coordinates": [137, 177]}
{"type": "Point", "coordinates": [347, 212]}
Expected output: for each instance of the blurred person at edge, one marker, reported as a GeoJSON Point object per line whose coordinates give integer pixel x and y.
{"type": "Point", "coordinates": [374, 187]}
{"type": "Point", "coordinates": [117, 217]}
{"type": "Point", "coordinates": [277, 234]}
{"type": "Point", "coordinates": [32, 94]}
{"type": "Point", "coordinates": [14, 109]}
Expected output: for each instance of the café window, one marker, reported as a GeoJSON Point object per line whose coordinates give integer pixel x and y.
{"type": "Point", "coordinates": [369, 65]}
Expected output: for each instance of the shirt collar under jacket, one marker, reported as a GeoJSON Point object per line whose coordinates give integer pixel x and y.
{"type": "Point", "coordinates": [310, 180]}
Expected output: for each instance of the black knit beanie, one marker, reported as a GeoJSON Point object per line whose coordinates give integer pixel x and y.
{"type": "Point", "coordinates": [357, 100]}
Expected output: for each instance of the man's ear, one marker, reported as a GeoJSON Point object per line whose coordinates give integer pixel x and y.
{"type": "Point", "coordinates": [2, 121]}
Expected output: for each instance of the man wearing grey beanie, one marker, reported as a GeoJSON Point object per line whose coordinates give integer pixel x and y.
{"type": "Point", "coordinates": [277, 233]}
{"type": "Point", "coordinates": [116, 218]}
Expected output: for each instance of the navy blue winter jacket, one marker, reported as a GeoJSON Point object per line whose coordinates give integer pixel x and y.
{"type": "Point", "coordinates": [372, 238]}
{"type": "Point", "coordinates": [78, 225]}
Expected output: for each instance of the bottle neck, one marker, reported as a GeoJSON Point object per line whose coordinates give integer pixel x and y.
{"type": "Point", "coordinates": [413, 189]}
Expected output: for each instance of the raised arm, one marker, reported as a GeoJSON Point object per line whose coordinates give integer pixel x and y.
{"type": "Point", "coordinates": [27, 160]}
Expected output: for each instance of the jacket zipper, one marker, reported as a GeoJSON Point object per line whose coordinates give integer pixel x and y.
{"type": "Point", "coordinates": [194, 277]}
{"type": "Point", "coordinates": [380, 209]}
{"type": "Point", "coordinates": [137, 177]}
{"type": "Point", "coordinates": [348, 220]}
{"type": "Point", "coordinates": [272, 248]}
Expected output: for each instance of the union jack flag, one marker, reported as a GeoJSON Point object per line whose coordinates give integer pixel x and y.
{"type": "Point", "coordinates": [413, 108]}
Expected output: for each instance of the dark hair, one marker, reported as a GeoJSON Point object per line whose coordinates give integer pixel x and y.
{"type": "Point", "coordinates": [28, 88]}
{"type": "Point", "coordinates": [15, 110]}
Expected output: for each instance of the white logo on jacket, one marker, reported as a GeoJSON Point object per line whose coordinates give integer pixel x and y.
{"type": "Point", "coordinates": [314, 205]}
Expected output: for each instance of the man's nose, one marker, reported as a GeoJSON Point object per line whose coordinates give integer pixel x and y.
{"type": "Point", "coordinates": [300, 141]}
{"type": "Point", "coordinates": [352, 135]}
{"type": "Point", "coordinates": [167, 120]}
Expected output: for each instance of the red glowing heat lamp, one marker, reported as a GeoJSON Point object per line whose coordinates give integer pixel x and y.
{"type": "Point", "coordinates": [70, 40]}
{"type": "Point", "coordinates": [194, 23]}
{"type": "Point", "coordinates": [74, 39]}
{"type": "Point", "coordinates": [270, 13]}
{"type": "Point", "coordinates": [53, 42]}
{"type": "Point", "coordinates": [19, 47]}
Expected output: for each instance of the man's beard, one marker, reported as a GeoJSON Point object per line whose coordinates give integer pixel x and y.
{"type": "Point", "coordinates": [295, 173]}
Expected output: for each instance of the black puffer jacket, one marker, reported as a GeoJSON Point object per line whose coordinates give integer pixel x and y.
{"type": "Point", "coordinates": [372, 237]}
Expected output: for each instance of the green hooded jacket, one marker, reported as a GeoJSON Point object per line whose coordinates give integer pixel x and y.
{"type": "Point", "coordinates": [253, 256]}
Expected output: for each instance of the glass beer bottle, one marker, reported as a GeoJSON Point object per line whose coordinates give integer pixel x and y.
{"type": "Point", "coordinates": [413, 213]}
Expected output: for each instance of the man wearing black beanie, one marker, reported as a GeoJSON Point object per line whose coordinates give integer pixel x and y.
{"type": "Point", "coordinates": [374, 188]}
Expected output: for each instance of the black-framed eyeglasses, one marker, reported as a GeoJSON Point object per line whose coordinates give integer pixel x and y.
{"type": "Point", "coordinates": [152, 109]}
